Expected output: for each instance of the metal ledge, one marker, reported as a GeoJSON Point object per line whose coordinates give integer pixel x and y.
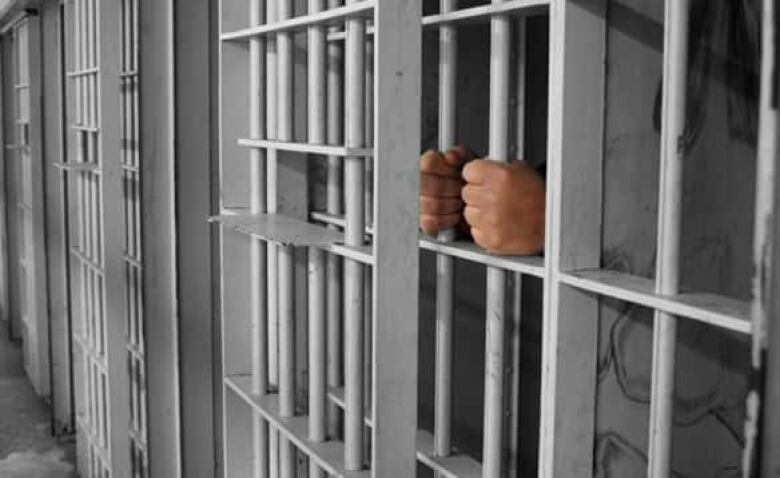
{"type": "Point", "coordinates": [280, 229]}
{"type": "Point", "coordinates": [76, 167]}
{"type": "Point", "coordinates": [716, 310]}
{"type": "Point", "coordinates": [329, 454]}
{"type": "Point", "coordinates": [456, 465]}
{"type": "Point", "coordinates": [308, 148]}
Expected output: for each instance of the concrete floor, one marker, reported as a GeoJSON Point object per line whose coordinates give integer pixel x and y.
{"type": "Point", "coordinates": [27, 447]}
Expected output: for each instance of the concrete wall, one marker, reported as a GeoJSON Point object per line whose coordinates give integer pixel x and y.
{"type": "Point", "coordinates": [719, 181]}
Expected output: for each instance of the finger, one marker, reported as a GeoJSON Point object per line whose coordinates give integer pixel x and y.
{"type": "Point", "coordinates": [435, 205]}
{"type": "Point", "coordinates": [437, 186]}
{"type": "Point", "coordinates": [480, 238]}
{"type": "Point", "coordinates": [432, 162]}
{"type": "Point", "coordinates": [433, 223]}
{"type": "Point", "coordinates": [474, 216]}
{"type": "Point", "coordinates": [478, 171]}
{"type": "Point", "coordinates": [456, 156]}
{"type": "Point", "coordinates": [478, 196]}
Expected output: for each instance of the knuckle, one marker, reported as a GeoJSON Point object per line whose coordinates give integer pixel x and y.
{"type": "Point", "coordinates": [502, 176]}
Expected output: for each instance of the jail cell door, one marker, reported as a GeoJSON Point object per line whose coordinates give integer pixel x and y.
{"type": "Point", "coordinates": [26, 151]}
{"type": "Point", "coordinates": [295, 400]}
{"type": "Point", "coordinates": [100, 96]}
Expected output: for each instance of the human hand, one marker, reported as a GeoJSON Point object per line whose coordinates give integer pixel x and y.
{"type": "Point", "coordinates": [504, 206]}
{"type": "Point", "coordinates": [441, 206]}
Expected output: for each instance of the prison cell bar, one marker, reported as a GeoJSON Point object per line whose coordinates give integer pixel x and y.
{"type": "Point", "coordinates": [316, 267]}
{"type": "Point", "coordinates": [286, 260]}
{"type": "Point", "coordinates": [513, 337]}
{"type": "Point", "coordinates": [761, 402]}
{"type": "Point", "coordinates": [132, 218]}
{"type": "Point", "coordinates": [448, 68]}
{"type": "Point", "coordinates": [92, 284]}
{"type": "Point", "coordinates": [335, 112]}
{"type": "Point", "coordinates": [354, 176]}
{"type": "Point", "coordinates": [500, 37]}
{"type": "Point", "coordinates": [272, 107]}
{"type": "Point", "coordinates": [669, 207]}
{"type": "Point", "coordinates": [368, 286]}
{"type": "Point", "coordinates": [533, 265]}
{"type": "Point", "coordinates": [258, 253]}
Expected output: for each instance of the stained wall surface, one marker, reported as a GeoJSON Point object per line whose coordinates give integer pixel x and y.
{"type": "Point", "coordinates": [716, 247]}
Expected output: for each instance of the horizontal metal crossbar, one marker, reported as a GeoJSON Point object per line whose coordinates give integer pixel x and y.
{"type": "Point", "coordinates": [321, 149]}
{"type": "Point", "coordinates": [466, 250]}
{"type": "Point", "coordinates": [133, 261]}
{"type": "Point", "coordinates": [85, 128]}
{"type": "Point", "coordinates": [98, 359]}
{"type": "Point", "coordinates": [516, 7]}
{"type": "Point", "coordinates": [362, 254]}
{"type": "Point", "coordinates": [531, 265]}
{"type": "Point", "coordinates": [86, 260]}
{"type": "Point", "coordinates": [135, 351]}
{"type": "Point", "coordinates": [94, 441]}
{"type": "Point", "coordinates": [341, 35]}
{"type": "Point", "coordinates": [77, 167]}
{"type": "Point", "coordinates": [456, 465]}
{"type": "Point", "coordinates": [335, 220]}
{"type": "Point", "coordinates": [85, 72]}
{"type": "Point", "coordinates": [716, 310]}
{"type": "Point", "coordinates": [327, 17]}
{"type": "Point", "coordinates": [329, 454]}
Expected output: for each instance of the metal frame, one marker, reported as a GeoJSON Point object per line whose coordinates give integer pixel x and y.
{"type": "Point", "coordinates": [763, 420]}
{"type": "Point", "coordinates": [573, 278]}
{"type": "Point", "coordinates": [11, 306]}
{"type": "Point", "coordinates": [358, 415]}
{"type": "Point", "coordinates": [102, 247]}
{"type": "Point", "coordinates": [57, 244]}
{"type": "Point", "coordinates": [254, 418]}
{"type": "Point", "coordinates": [28, 153]}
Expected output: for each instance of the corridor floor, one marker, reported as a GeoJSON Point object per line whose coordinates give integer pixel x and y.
{"type": "Point", "coordinates": [27, 448]}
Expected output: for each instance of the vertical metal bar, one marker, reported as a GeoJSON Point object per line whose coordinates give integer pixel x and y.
{"type": "Point", "coordinates": [354, 235]}
{"type": "Point", "coordinates": [448, 71]}
{"type": "Point", "coordinates": [397, 46]}
{"type": "Point", "coordinates": [368, 310]}
{"type": "Point", "coordinates": [286, 344]}
{"type": "Point", "coordinates": [369, 130]}
{"type": "Point", "coordinates": [286, 352]}
{"type": "Point", "coordinates": [335, 112]}
{"type": "Point", "coordinates": [572, 236]}
{"type": "Point", "coordinates": [106, 20]}
{"type": "Point", "coordinates": [669, 207]}
{"type": "Point", "coordinates": [761, 404]}
{"type": "Point", "coordinates": [316, 270]}
{"type": "Point", "coordinates": [271, 108]}
{"type": "Point", "coordinates": [500, 37]}
{"type": "Point", "coordinates": [258, 252]}
{"type": "Point", "coordinates": [317, 353]}
{"type": "Point", "coordinates": [271, 85]}
{"type": "Point", "coordinates": [514, 341]}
